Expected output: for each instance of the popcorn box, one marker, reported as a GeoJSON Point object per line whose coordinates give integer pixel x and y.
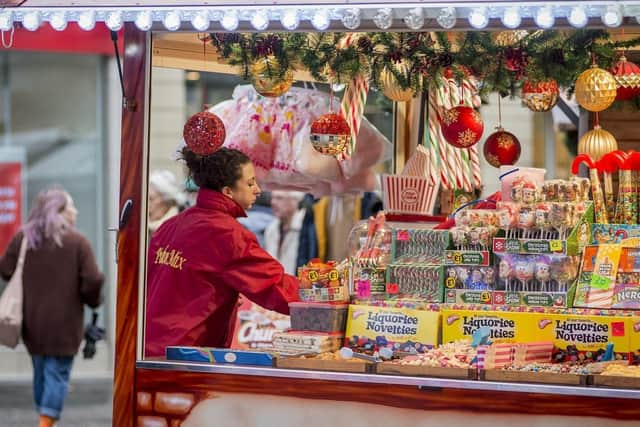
{"type": "Point", "coordinates": [369, 328]}
{"type": "Point", "coordinates": [408, 194]}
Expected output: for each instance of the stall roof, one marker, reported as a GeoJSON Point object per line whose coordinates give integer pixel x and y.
{"type": "Point", "coordinates": [334, 15]}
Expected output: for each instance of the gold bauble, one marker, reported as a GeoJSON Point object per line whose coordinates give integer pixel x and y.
{"type": "Point", "coordinates": [509, 38]}
{"type": "Point", "coordinates": [263, 72]}
{"type": "Point", "coordinates": [596, 143]}
{"type": "Point", "coordinates": [595, 89]}
{"type": "Point", "coordinates": [390, 87]}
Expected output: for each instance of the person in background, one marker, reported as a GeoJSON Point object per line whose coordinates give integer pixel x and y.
{"type": "Point", "coordinates": [259, 217]}
{"type": "Point", "coordinates": [200, 260]}
{"type": "Point", "coordinates": [60, 276]}
{"type": "Point", "coordinates": [282, 236]}
{"type": "Point", "coordinates": [166, 198]}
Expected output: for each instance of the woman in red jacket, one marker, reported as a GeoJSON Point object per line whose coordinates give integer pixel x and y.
{"type": "Point", "coordinates": [201, 259]}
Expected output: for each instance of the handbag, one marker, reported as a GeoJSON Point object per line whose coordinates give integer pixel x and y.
{"type": "Point", "coordinates": [11, 304]}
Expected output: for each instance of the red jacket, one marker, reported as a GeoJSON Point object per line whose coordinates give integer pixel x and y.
{"type": "Point", "coordinates": [198, 263]}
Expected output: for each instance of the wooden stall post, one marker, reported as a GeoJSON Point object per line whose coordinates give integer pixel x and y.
{"type": "Point", "coordinates": [136, 45]}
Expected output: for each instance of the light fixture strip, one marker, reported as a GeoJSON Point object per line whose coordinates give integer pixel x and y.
{"type": "Point", "coordinates": [344, 16]}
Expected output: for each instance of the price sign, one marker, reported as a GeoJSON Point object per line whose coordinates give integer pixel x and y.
{"type": "Point", "coordinates": [313, 276]}
{"type": "Point", "coordinates": [364, 288]}
{"type": "Point", "coordinates": [393, 288]}
{"type": "Point", "coordinates": [333, 275]}
{"type": "Point", "coordinates": [600, 282]}
{"type": "Point", "coordinates": [555, 245]}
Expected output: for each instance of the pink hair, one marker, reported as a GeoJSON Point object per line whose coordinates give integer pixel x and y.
{"type": "Point", "coordinates": [46, 221]}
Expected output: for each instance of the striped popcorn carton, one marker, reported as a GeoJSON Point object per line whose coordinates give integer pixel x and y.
{"type": "Point", "coordinates": [409, 194]}
{"type": "Point", "coordinates": [495, 356]}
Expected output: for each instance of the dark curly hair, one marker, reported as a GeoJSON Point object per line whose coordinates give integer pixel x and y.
{"type": "Point", "coordinates": [215, 171]}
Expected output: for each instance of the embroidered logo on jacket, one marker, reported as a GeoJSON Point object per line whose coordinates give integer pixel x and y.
{"type": "Point", "coordinates": [170, 257]}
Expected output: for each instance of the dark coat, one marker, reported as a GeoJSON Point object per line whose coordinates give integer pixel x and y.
{"type": "Point", "coordinates": [57, 282]}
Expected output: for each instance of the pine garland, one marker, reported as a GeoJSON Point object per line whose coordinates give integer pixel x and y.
{"type": "Point", "coordinates": [419, 60]}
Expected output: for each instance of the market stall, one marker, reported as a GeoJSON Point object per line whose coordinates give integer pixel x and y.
{"type": "Point", "coordinates": [520, 309]}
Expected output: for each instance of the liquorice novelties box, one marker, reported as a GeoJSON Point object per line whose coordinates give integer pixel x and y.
{"type": "Point", "coordinates": [369, 328]}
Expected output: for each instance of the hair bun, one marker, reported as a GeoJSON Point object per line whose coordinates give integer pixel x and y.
{"type": "Point", "coordinates": [204, 133]}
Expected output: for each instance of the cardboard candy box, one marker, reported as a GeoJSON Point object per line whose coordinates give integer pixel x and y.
{"type": "Point", "coordinates": [322, 282]}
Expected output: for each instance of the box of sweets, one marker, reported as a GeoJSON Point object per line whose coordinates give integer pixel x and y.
{"type": "Point", "coordinates": [465, 284]}
{"type": "Point", "coordinates": [403, 329]}
{"type": "Point", "coordinates": [415, 281]}
{"type": "Point", "coordinates": [613, 233]}
{"type": "Point", "coordinates": [626, 292]}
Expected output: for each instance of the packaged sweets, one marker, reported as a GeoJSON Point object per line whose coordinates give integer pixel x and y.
{"type": "Point", "coordinates": [318, 317]}
{"type": "Point", "coordinates": [536, 273]}
{"type": "Point", "coordinates": [323, 281]}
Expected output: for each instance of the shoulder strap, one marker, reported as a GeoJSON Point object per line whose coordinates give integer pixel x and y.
{"type": "Point", "coordinates": [23, 251]}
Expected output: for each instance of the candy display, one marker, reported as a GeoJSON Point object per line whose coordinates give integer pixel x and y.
{"type": "Point", "coordinates": [323, 281]}
{"type": "Point", "coordinates": [415, 244]}
{"type": "Point", "coordinates": [470, 277]}
{"type": "Point", "coordinates": [415, 280]}
{"type": "Point", "coordinates": [457, 354]}
{"type": "Point", "coordinates": [544, 273]}
{"type": "Point", "coordinates": [296, 342]}
{"type": "Point", "coordinates": [318, 317]}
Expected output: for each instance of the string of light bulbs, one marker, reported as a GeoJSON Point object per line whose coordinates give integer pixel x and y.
{"type": "Point", "coordinates": [335, 17]}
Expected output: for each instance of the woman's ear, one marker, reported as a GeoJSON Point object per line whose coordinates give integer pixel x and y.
{"type": "Point", "coordinates": [227, 192]}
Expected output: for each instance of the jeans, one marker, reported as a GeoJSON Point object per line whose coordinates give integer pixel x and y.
{"type": "Point", "coordinates": [50, 383]}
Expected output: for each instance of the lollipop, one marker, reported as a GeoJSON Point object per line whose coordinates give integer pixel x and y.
{"type": "Point", "coordinates": [542, 272]}
{"type": "Point", "coordinates": [529, 190]}
{"type": "Point", "coordinates": [542, 219]}
{"type": "Point", "coordinates": [524, 272]}
{"type": "Point", "coordinates": [526, 221]}
{"type": "Point", "coordinates": [549, 191]}
{"type": "Point", "coordinates": [505, 271]}
{"type": "Point", "coordinates": [559, 217]}
{"type": "Point", "coordinates": [485, 237]}
{"type": "Point", "coordinates": [459, 237]}
{"type": "Point", "coordinates": [474, 238]}
{"type": "Point", "coordinates": [516, 192]}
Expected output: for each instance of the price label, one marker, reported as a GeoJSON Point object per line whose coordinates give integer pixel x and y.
{"type": "Point", "coordinates": [555, 245]}
{"type": "Point", "coordinates": [393, 288]}
{"type": "Point", "coordinates": [313, 276]}
{"type": "Point", "coordinates": [402, 235]}
{"type": "Point", "coordinates": [600, 282]}
{"type": "Point", "coordinates": [450, 282]}
{"type": "Point", "coordinates": [457, 258]}
{"type": "Point", "coordinates": [364, 288]}
{"type": "Point", "coordinates": [333, 275]}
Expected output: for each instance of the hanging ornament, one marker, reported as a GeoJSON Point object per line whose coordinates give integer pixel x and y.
{"type": "Point", "coordinates": [540, 96]}
{"type": "Point", "coordinates": [515, 60]}
{"type": "Point", "coordinates": [330, 134]}
{"type": "Point", "coordinates": [596, 143]}
{"type": "Point", "coordinates": [627, 76]}
{"type": "Point", "coordinates": [268, 79]}
{"type": "Point", "coordinates": [461, 126]}
{"type": "Point", "coordinates": [204, 133]}
{"type": "Point", "coordinates": [390, 87]}
{"type": "Point", "coordinates": [501, 147]}
{"type": "Point", "coordinates": [595, 89]}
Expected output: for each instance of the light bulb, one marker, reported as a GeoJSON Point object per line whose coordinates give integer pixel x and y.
{"type": "Point", "coordinates": [230, 21]}
{"type": "Point", "coordinates": [544, 17]}
{"type": "Point", "coordinates": [578, 17]}
{"type": "Point", "coordinates": [6, 20]}
{"type": "Point", "coordinates": [31, 20]}
{"type": "Point", "coordinates": [383, 18]}
{"type": "Point", "coordinates": [260, 20]}
{"type": "Point", "coordinates": [87, 20]}
{"type": "Point", "coordinates": [321, 19]}
{"type": "Point", "coordinates": [511, 17]}
{"type": "Point", "coordinates": [201, 21]}
{"type": "Point", "coordinates": [144, 20]}
{"type": "Point", "coordinates": [290, 19]}
{"type": "Point", "coordinates": [414, 19]}
{"type": "Point", "coordinates": [478, 18]}
{"type": "Point", "coordinates": [114, 20]}
{"type": "Point", "coordinates": [172, 20]}
{"type": "Point", "coordinates": [612, 15]}
{"type": "Point", "coordinates": [447, 17]}
{"type": "Point", "coordinates": [58, 21]}
{"type": "Point", "coordinates": [351, 18]}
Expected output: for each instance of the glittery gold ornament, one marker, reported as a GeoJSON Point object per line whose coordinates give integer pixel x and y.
{"type": "Point", "coordinates": [596, 143]}
{"type": "Point", "coordinates": [595, 89]}
{"type": "Point", "coordinates": [265, 80]}
{"type": "Point", "coordinates": [390, 87]}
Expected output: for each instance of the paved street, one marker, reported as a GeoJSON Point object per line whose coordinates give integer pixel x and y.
{"type": "Point", "coordinates": [88, 404]}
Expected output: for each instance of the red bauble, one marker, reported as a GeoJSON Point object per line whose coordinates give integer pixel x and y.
{"type": "Point", "coordinates": [461, 126]}
{"type": "Point", "coordinates": [204, 133]}
{"type": "Point", "coordinates": [501, 148]}
{"type": "Point", "coordinates": [627, 75]}
{"type": "Point", "coordinates": [330, 134]}
{"type": "Point", "coordinates": [540, 96]}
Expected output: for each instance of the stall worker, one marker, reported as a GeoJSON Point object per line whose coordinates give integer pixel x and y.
{"type": "Point", "coordinates": [200, 260]}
